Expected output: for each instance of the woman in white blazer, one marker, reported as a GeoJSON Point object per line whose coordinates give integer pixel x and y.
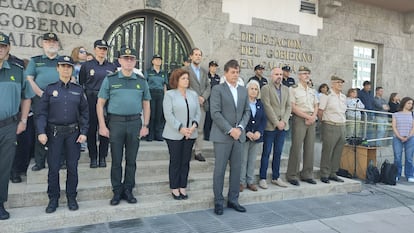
{"type": "Point", "coordinates": [182, 114]}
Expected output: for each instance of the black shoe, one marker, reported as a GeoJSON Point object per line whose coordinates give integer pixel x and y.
{"type": "Point", "coordinates": [160, 139]}
{"type": "Point", "coordinates": [335, 178]}
{"type": "Point", "coordinates": [72, 203]}
{"type": "Point", "coordinates": [149, 139]}
{"type": "Point", "coordinates": [294, 182]}
{"type": "Point", "coordinates": [218, 209]}
{"type": "Point", "coordinates": [52, 206]}
{"type": "Point", "coordinates": [15, 178]}
{"type": "Point", "coordinates": [199, 157]}
{"type": "Point", "coordinates": [236, 207]}
{"type": "Point", "coordinates": [63, 166]}
{"type": "Point", "coordinates": [3, 213]}
{"type": "Point", "coordinates": [102, 162]}
{"type": "Point", "coordinates": [325, 180]}
{"type": "Point", "coordinates": [178, 197]}
{"type": "Point", "coordinates": [93, 164]}
{"type": "Point", "coordinates": [37, 167]}
{"type": "Point", "coordinates": [129, 197]}
{"type": "Point", "coordinates": [115, 199]}
{"type": "Point", "coordinates": [184, 197]}
{"type": "Point", "coordinates": [310, 181]}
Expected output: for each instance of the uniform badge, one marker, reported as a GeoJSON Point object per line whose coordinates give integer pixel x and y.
{"type": "Point", "coordinates": [55, 93]}
{"type": "Point", "coordinates": [92, 72]}
{"type": "Point", "coordinates": [12, 78]}
{"type": "Point", "coordinates": [127, 51]}
{"type": "Point", "coordinates": [138, 86]}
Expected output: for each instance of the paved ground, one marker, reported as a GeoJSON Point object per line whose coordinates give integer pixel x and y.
{"type": "Point", "coordinates": [378, 208]}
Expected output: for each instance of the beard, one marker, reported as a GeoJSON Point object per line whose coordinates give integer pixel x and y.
{"type": "Point", "coordinates": [52, 50]}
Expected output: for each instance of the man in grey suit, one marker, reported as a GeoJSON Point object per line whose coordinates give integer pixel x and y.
{"type": "Point", "coordinates": [230, 112]}
{"type": "Point", "coordinates": [199, 82]}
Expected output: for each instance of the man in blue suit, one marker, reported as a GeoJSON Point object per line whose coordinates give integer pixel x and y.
{"type": "Point", "coordinates": [230, 112]}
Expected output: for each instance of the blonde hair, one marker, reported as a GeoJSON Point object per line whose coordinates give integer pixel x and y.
{"type": "Point", "coordinates": [254, 82]}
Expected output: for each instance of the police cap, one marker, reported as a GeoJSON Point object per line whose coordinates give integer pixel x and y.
{"type": "Point", "coordinates": [65, 60]}
{"type": "Point", "coordinates": [212, 63]}
{"type": "Point", "coordinates": [4, 39]}
{"type": "Point", "coordinates": [127, 52]}
{"type": "Point", "coordinates": [259, 67]}
{"type": "Point", "coordinates": [156, 56]}
{"type": "Point", "coordinates": [286, 68]}
{"type": "Point", "coordinates": [100, 44]}
{"type": "Point", "coordinates": [50, 36]}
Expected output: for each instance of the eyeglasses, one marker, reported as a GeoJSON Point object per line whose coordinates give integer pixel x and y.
{"type": "Point", "coordinates": [82, 51]}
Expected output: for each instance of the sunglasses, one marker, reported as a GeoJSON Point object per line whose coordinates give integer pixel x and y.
{"type": "Point", "coordinates": [82, 51]}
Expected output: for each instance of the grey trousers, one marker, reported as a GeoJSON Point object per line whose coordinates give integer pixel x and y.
{"type": "Point", "coordinates": [227, 152]}
{"type": "Point", "coordinates": [248, 161]}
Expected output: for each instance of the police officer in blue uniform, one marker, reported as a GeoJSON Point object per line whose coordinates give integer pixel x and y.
{"type": "Point", "coordinates": [127, 95]}
{"type": "Point", "coordinates": [214, 79]}
{"type": "Point", "coordinates": [91, 75]}
{"type": "Point", "coordinates": [157, 81]}
{"type": "Point", "coordinates": [258, 70]}
{"type": "Point", "coordinates": [62, 124]}
{"type": "Point", "coordinates": [12, 89]}
{"type": "Point", "coordinates": [286, 80]}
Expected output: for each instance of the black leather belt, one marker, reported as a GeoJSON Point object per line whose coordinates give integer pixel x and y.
{"type": "Point", "coordinates": [114, 117]}
{"type": "Point", "coordinates": [63, 129]}
{"type": "Point", "coordinates": [8, 121]}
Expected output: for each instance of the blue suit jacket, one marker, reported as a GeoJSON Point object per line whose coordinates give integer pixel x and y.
{"type": "Point", "coordinates": [258, 122]}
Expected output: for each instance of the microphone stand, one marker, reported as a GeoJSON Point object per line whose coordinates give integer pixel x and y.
{"type": "Point", "coordinates": [355, 138]}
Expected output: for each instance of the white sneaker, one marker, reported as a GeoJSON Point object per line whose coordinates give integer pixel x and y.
{"type": "Point", "coordinates": [263, 184]}
{"type": "Point", "coordinates": [411, 180]}
{"type": "Point", "coordinates": [279, 182]}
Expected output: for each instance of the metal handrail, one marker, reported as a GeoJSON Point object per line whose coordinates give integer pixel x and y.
{"type": "Point", "coordinates": [365, 122]}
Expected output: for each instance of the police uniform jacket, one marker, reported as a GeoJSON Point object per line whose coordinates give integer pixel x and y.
{"type": "Point", "coordinates": [156, 80]}
{"type": "Point", "coordinates": [43, 69]}
{"type": "Point", "coordinates": [63, 104]}
{"type": "Point", "coordinates": [124, 94]}
{"type": "Point", "coordinates": [92, 74]}
{"type": "Point", "coordinates": [262, 81]}
{"type": "Point", "coordinates": [13, 88]}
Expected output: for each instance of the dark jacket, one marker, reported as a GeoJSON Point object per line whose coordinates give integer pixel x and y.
{"type": "Point", "coordinates": [258, 122]}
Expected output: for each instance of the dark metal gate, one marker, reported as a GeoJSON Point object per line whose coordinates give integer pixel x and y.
{"type": "Point", "coordinates": [149, 33]}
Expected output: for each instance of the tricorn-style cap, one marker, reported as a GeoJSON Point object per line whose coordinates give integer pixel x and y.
{"type": "Point", "coordinates": [286, 68]}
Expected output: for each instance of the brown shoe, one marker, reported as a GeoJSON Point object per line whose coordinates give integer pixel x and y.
{"type": "Point", "coordinates": [241, 187]}
{"type": "Point", "coordinates": [252, 187]}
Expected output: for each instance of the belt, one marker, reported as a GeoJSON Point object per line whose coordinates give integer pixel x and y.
{"type": "Point", "coordinates": [333, 123]}
{"type": "Point", "coordinates": [113, 117]}
{"type": "Point", "coordinates": [63, 129]}
{"type": "Point", "coordinates": [91, 92]}
{"type": "Point", "coordinates": [8, 121]}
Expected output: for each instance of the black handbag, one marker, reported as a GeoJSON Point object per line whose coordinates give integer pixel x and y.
{"type": "Point", "coordinates": [388, 173]}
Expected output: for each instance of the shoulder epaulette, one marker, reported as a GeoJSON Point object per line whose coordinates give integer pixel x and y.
{"type": "Point", "coordinates": [16, 64]}
{"type": "Point", "coordinates": [113, 74]}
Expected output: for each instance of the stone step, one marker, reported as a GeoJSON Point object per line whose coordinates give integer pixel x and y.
{"type": "Point", "coordinates": [154, 150]}
{"type": "Point", "coordinates": [25, 195]}
{"type": "Point", "coordinates": [157, 167]}
{"type": "Point", "coordinates": [99, 211]}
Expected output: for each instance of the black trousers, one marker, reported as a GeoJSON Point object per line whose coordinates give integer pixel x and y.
{"type": "Point", "coordinates": [180, 156]}
{"type": "Point", "coordinates": [25, 148]}
{"type": "Point", "coordinates": [93, 128]}
{"type": "Point", "coordinates": [56, 144]}
{"type": "Point", "coordinates": [7, 152]}
{"type": "Point", "coordinates": [156, 123]}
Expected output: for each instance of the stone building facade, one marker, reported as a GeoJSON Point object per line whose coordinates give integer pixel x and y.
{"type": "Point", "coordinates": [357, 41]}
